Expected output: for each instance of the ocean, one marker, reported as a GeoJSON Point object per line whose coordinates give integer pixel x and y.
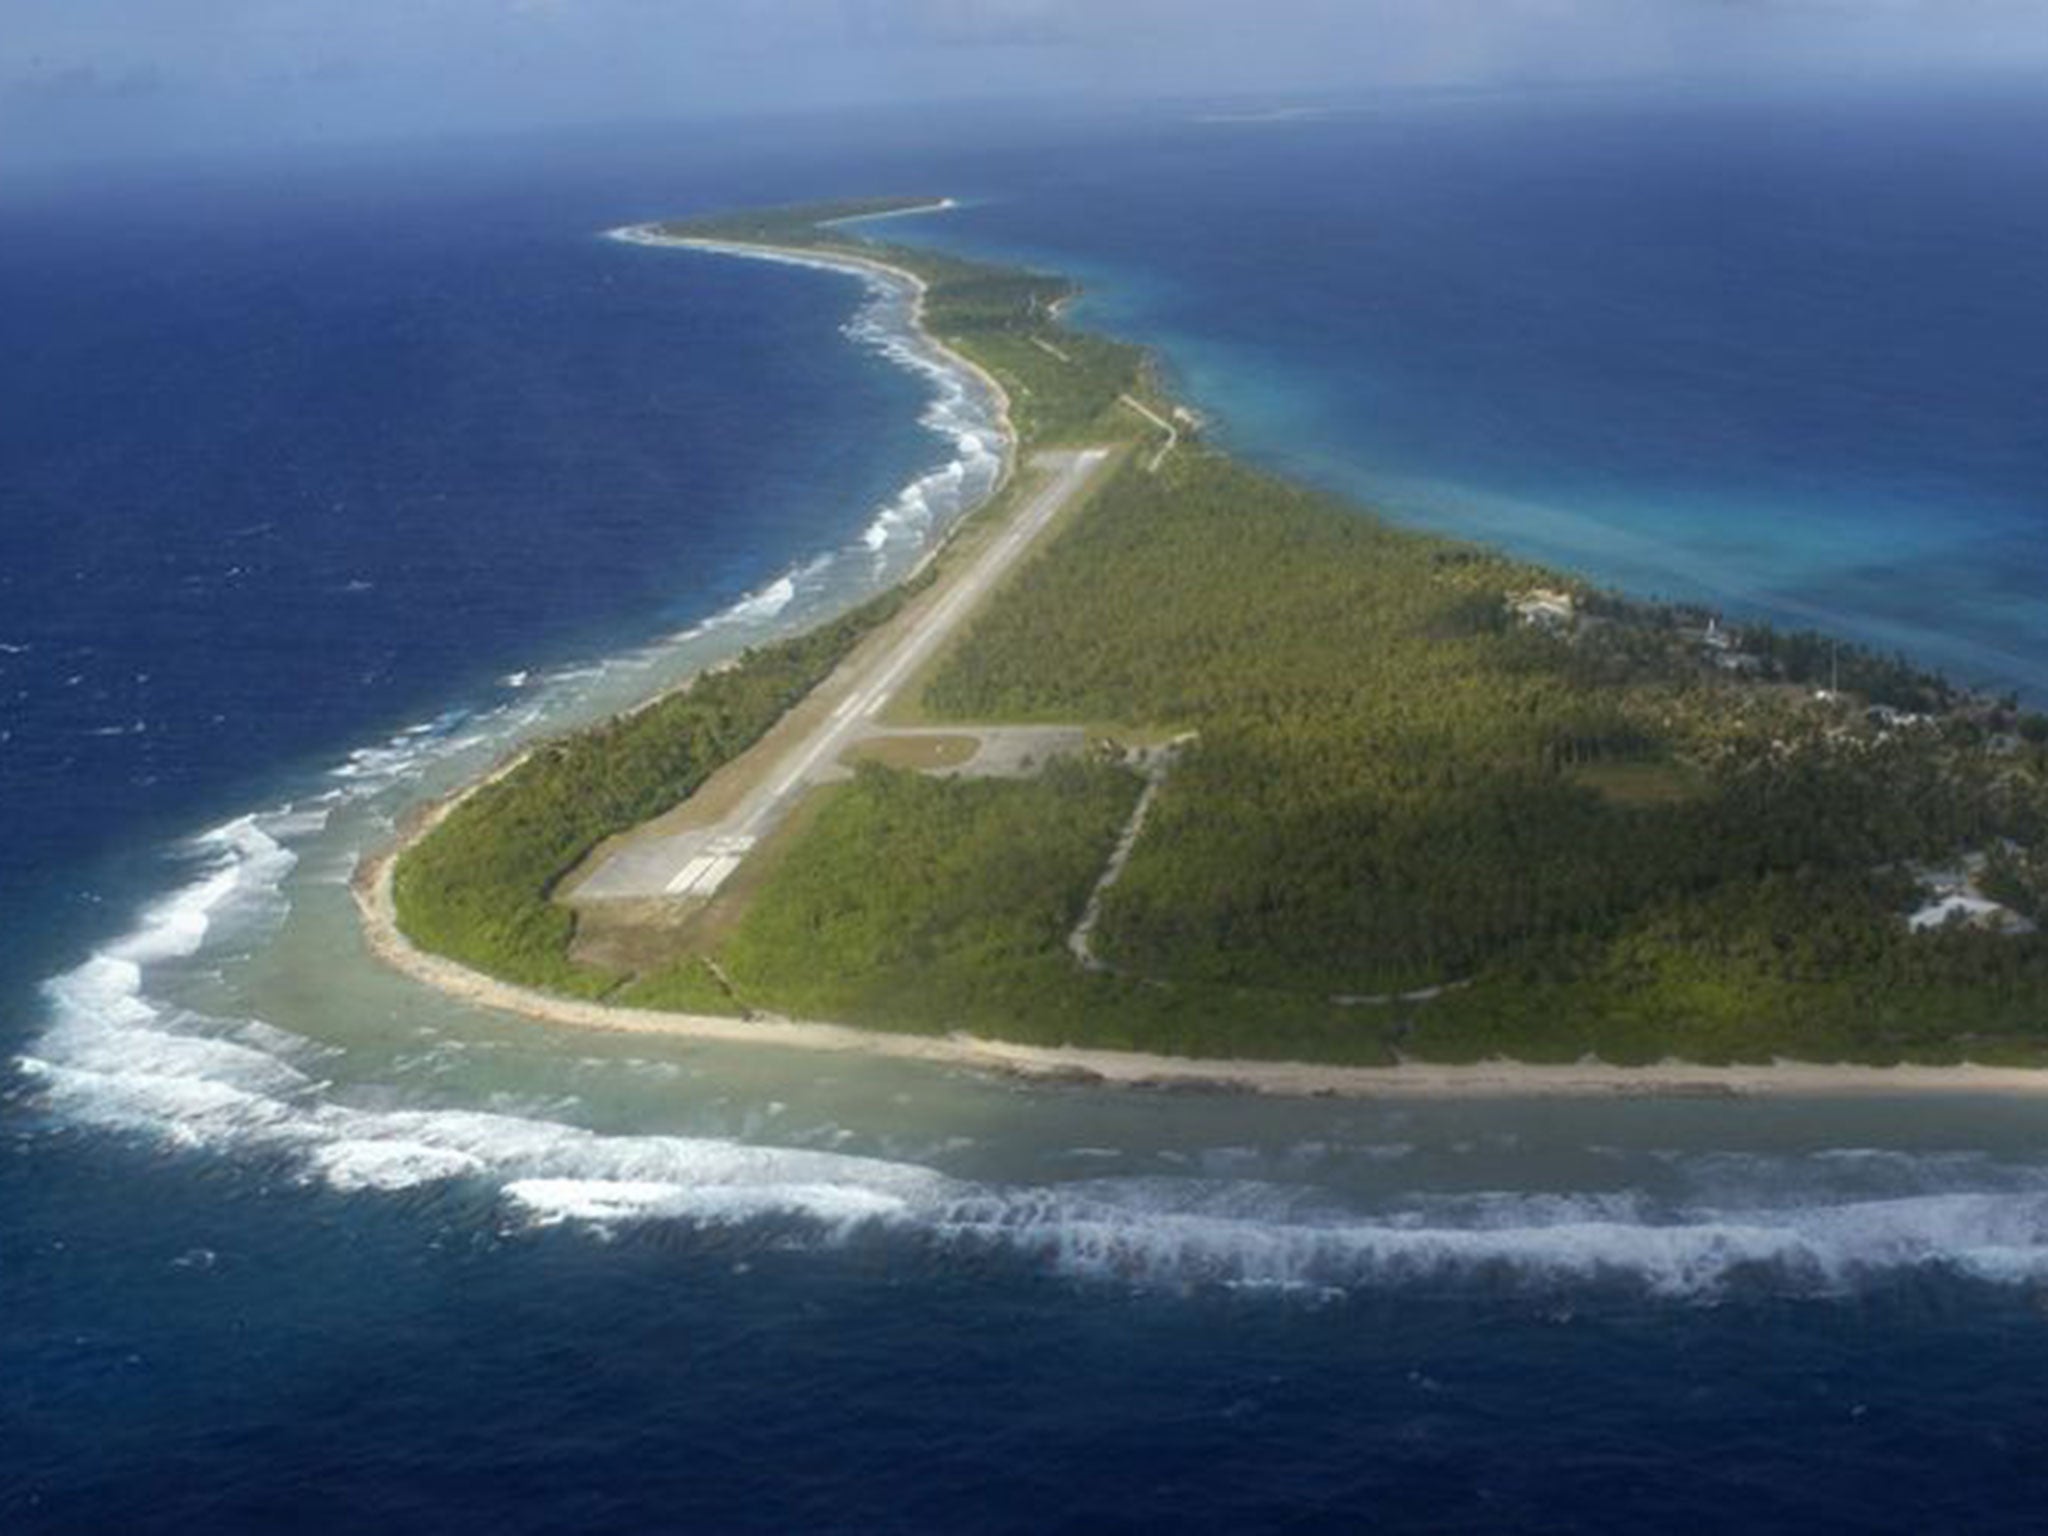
{"type": "Point", "coordinates": [324, 482]}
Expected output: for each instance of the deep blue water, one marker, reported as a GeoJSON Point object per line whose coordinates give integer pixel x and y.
{"type": "Point", "coordinates": [338, 1364]}
{"type": "Point", "coordinates": [293, 456]}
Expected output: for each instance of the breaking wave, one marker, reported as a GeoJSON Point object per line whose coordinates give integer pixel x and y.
{"type": "Point", "coordinates": [961, 410]}
{"type": "Point", "coordinates": [118, 1058]}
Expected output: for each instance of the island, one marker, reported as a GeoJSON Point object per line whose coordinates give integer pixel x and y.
{"type": "Point", "coordinates": [1161, 768]}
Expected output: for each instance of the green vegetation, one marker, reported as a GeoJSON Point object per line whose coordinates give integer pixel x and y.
{"type": "Point", "coordinates": [1572, 822]}
{"type": "Point", "coordinates": [1626, 847]}
{"type": "Point", "coordinates": [968, 929]}
{"type": "Point", "coordinates": [477, 888]}
{"type": "Point", "coordinates": [1641, 782]}
{"type": "Point", "coordinates": [1804, 963]}
{"type": "Point", "coordinates": [981, 878]}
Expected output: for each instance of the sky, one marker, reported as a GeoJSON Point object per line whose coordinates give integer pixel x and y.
{"type": "Point", "coordinates": [93, 77]}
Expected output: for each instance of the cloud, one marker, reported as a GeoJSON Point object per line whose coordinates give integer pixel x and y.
{"type": "Point", "coordinates": [86, 83]}
{"type": "Point", "coordinates": [966, 23]}
{"type": "Point", "coordinates": [371, 67]}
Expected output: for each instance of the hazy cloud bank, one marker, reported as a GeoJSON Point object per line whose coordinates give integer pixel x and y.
{"type": "Point", "coordinates": [81, 74]}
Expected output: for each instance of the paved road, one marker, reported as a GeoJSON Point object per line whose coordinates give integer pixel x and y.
{"type": "Point", "coordinates": [696, 863]}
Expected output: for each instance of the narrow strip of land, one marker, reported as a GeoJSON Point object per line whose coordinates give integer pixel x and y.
{"type": "Point", "coordinates": [696, 861]}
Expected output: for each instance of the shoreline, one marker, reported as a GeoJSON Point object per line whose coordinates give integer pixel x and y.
{"type": "Point", "coordinates": [860, 266]}
{"type": "Point", "coordinates": [1087, 1066]}
{"type": "Point", "coordinates": [1090, 1067]}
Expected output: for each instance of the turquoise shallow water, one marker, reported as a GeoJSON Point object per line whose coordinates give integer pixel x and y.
{"type": "Point", "coordinates": [286, 1242]}
{"type": "Point", "coordinates": [1775, 354]}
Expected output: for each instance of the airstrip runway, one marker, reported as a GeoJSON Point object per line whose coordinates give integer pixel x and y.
{"type": "Point", "coordinates": [696, 861]}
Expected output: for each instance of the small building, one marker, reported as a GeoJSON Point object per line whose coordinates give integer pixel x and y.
{"type": "Point", "coordinates": [1952, 894]}
{"type": "Point", "coordinates": [1544, 608]}
{"type": "Point", "coordinates": [1970, 911]}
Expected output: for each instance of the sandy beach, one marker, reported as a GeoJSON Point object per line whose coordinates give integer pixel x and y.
{"type": "Point", "coordinates": [1074, 1065]}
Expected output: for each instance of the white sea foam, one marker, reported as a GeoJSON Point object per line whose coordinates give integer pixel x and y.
{"type": "Point", "coordinates": [115, 1056]}
{"type": "Point", "coordinates": [118, 1057]}
{"type": "Point", "coordinates": [244, 865]}
{"type": "Point", "coordinates": [759, 607]}
{"type": "Point", "coordinates": [1522, 1241]}
{"type": "Point", "coordinates": [1819, 1224]}
{"type": "Point", "coordinates": [351, 1164]}
{"type": "Point", "coordinates": [132, 1070]}
{"type": "Point", "coordinates": [839, 1206]}
{"type": "Point", "coordinates": [370, 770]}
{"type": "Point", "coordinates": [959, 411]}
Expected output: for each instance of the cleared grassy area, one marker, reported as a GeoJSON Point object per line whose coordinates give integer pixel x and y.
{"type": "Point", "coordinates": [917, 754]}
{"type": "Point", "coordinates": [1643, 784]}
